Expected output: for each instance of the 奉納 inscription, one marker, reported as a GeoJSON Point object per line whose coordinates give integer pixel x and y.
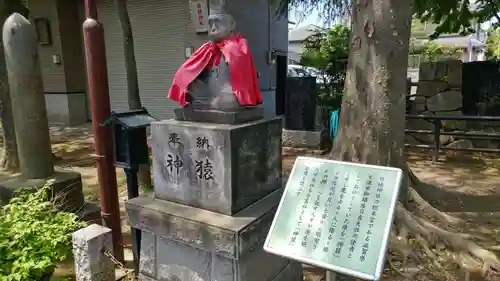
{"type": "Point", "coordinates": [174, 139]}
{"type": "Point", "coordinates": [336, 215]}
{"type": "Point", "coordinates": [173, 161]}
{"type": "Point", "coordinates": [203, 143]}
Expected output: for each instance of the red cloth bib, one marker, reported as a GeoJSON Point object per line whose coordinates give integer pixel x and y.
{"type": "Point", "coordinates": [241, 68]}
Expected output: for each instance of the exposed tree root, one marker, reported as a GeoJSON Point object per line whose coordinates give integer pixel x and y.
{"type": "Point", "coordinates": [453, 201]}
{"type": "Point", "coordinates": [419, 238]}
{"type": "Point", "coordinates": [424, 208]}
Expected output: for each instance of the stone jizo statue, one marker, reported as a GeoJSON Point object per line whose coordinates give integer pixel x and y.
{"type": "Point", "coordinates": [220, 75]}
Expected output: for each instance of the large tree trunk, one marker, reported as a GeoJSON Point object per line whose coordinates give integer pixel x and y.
{"type": "Point", "coordinates": [373, 108]}
{"type": "Point", "coordinates": [372, 129]}
{"type": "Point", "coordinates": [10, 159]}
{"type": "Point", "coordinates": [134, 98]}
{"type": "Point", "coordinates": [372, 119]}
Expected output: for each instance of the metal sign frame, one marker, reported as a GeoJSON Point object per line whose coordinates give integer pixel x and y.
{"type": "Point", "coordinates": [339, 269]}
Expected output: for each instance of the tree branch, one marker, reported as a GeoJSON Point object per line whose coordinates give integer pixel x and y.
{"type": "Point", "coordinates": [493, 7]}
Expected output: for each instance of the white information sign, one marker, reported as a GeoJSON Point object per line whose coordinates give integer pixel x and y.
{"type": "Point", "coordinates": [336, 215]}
{"type": "Point", "coordinates": [199, 15]}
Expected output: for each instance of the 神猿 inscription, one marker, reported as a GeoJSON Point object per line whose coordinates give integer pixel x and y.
{"type": "Point", "coordinates": [174, 162]}
{"type": "Point", "coordinates": [336, 215]}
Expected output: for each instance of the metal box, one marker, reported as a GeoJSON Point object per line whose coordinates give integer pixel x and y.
{"type": "Point", "coordinates": [130, 137]}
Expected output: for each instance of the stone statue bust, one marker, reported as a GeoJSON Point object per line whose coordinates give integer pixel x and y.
{"type": "Point", "coordinates": [220, 75]}
{"type": "Point", "coordinates": [213, 86]}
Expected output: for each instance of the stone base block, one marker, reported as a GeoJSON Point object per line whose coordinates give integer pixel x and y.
{"type": "Point", "coordinates": [89, 245]}
{"type": "Point", "coordinates": [220, 117]}
{"type": "Point", "coordinates": [216, 167]}
{"type": "Point", "coordinates": [305, 139]}
{"type": "Point", "coordinates": [229, 236]}
{"type": "Point", "coordinates": [66, 188]}
{"type": "Point", "coordinates": [183, 243]}
{"type": "Point", "coordinates": [291, 272]}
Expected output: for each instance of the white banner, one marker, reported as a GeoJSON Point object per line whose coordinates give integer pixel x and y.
{"type": "Point", "coordinates": [199, 15]}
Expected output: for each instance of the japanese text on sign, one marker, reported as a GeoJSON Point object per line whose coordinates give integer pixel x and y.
{"type": "Point", "coordinates": [336, 215]}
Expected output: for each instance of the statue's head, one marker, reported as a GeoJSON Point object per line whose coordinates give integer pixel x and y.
{"type": "Point", "coordinates": [221, 24]}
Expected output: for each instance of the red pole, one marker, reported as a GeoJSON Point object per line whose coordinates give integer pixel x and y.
{"type": "Point", "coordinates": [95, 55]}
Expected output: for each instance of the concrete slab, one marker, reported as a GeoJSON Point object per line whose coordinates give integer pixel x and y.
{"type": "Point", "coordinates": [228, 236]}
{"type": "Point", "coordinates": [66, 188]}
{"type": "Point", "coordinates": [220, 117]}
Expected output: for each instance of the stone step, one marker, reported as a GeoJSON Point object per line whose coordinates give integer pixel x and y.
{"type": "Point", "coordinates": [66, 188]}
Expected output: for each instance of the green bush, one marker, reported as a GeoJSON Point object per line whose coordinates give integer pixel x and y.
{"type": "Point", "coordinates": [34, 236]}
{"type": "Point", "coordinates": [327, 51]}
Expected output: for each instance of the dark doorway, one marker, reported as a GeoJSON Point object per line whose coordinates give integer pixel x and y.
{"type": "Point", "coordinates": [281, 73]}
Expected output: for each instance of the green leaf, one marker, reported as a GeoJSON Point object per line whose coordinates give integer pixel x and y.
{"type": "Point", "coordinates": [448, 16]}
{"type": "Point", "coordinates": [33, 236]}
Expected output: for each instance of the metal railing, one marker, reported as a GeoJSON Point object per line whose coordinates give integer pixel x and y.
{"type": "Point", "coordinates": [437, 132]}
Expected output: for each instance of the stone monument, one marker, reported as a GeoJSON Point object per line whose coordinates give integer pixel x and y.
{"type": "Point", "coordinates": [304, 127]}
{"type": "Point", "coordinates": [31, 125]}
{"type": "Point", "coordinates": [208, 87]}
{"type": "Point", "coordinates": [217, 182]}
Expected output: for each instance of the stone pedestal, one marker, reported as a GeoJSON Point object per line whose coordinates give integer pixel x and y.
{"type": "Point", "coordinates": [184, 243]}
{"type": "Point", "coordinates": [66, 192]}
{"type": "Point", "coordinates": [197, 113]}
{"type": "Point", "coordinates": [306, 139]}
{"type": "Point", "coordinates": [216, 167]}
{"type": "Point", "coordinates": [89, 244]}
{"type": "Point", "coordinates": [66, 188]}
{"type": "Point", "coordinates": [208, 221]}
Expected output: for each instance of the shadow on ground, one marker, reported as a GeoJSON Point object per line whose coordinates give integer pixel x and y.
{"type": "Point", "coordinates": [459, 183]}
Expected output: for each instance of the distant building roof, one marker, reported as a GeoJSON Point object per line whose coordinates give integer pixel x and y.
{"type": "Point", "coordinates": [301, 33]}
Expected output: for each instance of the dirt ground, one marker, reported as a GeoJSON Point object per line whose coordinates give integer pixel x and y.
{"type": "Point", "coordinates": [478, 177]}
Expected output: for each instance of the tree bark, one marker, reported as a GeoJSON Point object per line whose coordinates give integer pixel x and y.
{"type": "Point", "coordinates": [134, 98]}
{"type": "Point", "coordinates": [10, 158]}
{"type": "Point", "coordinates": [373, 107]}
{"type": "Point", "coordinates": [372, 131]}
